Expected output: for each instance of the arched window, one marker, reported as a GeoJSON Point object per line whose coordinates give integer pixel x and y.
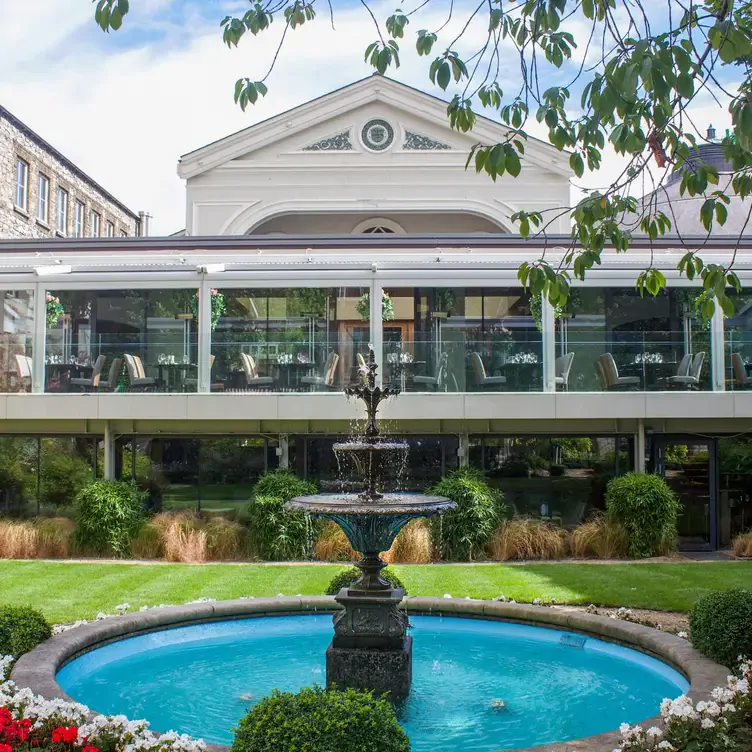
{"type": "Point", "coordinates": [378, 226]}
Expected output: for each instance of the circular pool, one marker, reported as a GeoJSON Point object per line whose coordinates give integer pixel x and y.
{"type": "Point", "coordinates": [478, 685]}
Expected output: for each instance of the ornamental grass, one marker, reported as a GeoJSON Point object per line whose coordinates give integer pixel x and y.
{"type": "Point", "coordinates": [527, 539]}
{"type": "Point", "coordinates": [41, 538]}
{"type": "Point", "coordinates": [412, 545]}
{"type": "Point", "coordinates": [188, 538]}
{"type": "Point", "coordinates": [332, 544]}
{"type": "Point", "coordinates": [599, 538]}
{"type": "Point", "coordinates": [742, 545]}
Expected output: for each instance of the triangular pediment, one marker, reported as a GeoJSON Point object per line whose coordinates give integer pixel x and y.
{"type": "Point", "coordinates": [373, 116]}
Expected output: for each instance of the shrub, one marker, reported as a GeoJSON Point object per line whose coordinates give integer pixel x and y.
{"type": "Point", "coordinates": [225, 540]}
{"type": "Point", "coordinates": [346, 577]}
{"type": "Point", "coordinates": [62, 476]}
{"type": "Point", "coordinates": [54, 537]}
{"type": "Point", "coordinates": [648, 509]}
{"type": "Point", "coordinates": [108, 516]}
{"type": "Point", "coordinates": [599, 537]}
{"type": "Point", "coordinates": [277, 533]}
{"type": "Point", "coordinates": [463, 533]}
{"type": "Point", "coordinates": [412, 545]}
{"type": "Point", "coordinates": [332, 544]}
{"type": "Point", "coordinates": [527, 539]}
{"type": "Point", "coordinates": [320, 720]}
{"type": "Point", "coordinates": [21, 629]}
{"type": "Point", "coordinates": [282, 484]}
{"type": "Point", "coordinates": [742, 545]}
{"type": "Point", "coordinates": [719, 625]}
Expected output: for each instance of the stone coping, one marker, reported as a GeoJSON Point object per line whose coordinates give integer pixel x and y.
{"type": "Point", "coordinates": [37, 669]}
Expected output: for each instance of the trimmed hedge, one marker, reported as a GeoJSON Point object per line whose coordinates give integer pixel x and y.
{"type": "Point", "coordinates": [320, 720]}
{"type": "Point", "coordinates": [463, 533]}
{"type": "Point", "coordinates": [346, 577]}
{"type": "Point", "coordinates": [22, 628]}
{"type": "Point", "coordinates": [647, 509]}
{"type": "Point", "coordinates": [720, 625]}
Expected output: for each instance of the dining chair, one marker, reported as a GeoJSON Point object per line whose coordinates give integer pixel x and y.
{"type": "Point", "coordinates": [111, 382]}
{"type": "Point", "coordinates": [191, 382]}
{"type": "Point", "coordinates": [481, 379]}
{"type": "Point", "coordinates": [438, 381]}
{"type": "Point", "coordinates": [327, 378]}
{"type": "Point", "coordinates": [562, 367]}
{"type": "Point", "coordinates": [740, 372]}
{"type": "Point", "coordinates": [90, 382]}
{"type": "Point", "coordinates": [690, 379]}
{"type": "Point", "coordinates": [252, 378]}
{"type": "Point", "coordinates": [611, 376]}
{"type": "Point", "coordinates": [136, 374]}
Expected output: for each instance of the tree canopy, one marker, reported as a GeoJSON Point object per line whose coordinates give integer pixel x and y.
{"type": "Point", "coordinates": [594, 74]}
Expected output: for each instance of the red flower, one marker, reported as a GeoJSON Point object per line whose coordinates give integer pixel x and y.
{"type": "Point", "coordinates": [66, 735]}
{"type": "Point", "coordinates": [5, 716]}
{"type": "Point", "coordinates": [6, 748]}
{"type": "Point", "coordinates": [89, 749]}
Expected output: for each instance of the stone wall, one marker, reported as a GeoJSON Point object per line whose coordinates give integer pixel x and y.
{"type": "Point", "coordinates": [16, 222]}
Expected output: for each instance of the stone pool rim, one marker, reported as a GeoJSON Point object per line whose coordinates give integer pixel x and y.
{"type": "Point", "coordinates": [38, 669]}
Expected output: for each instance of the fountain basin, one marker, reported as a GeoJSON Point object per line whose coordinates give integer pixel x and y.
{"type": "Point", "coordinates": [39, 668]}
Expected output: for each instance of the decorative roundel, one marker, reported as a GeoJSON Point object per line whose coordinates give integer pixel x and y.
{"type": "Point", "coordinates": [377, 135]}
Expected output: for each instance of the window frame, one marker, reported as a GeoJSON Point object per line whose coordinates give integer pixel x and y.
{"type": "Point", "coordinates": [79, 219]}
{"type": "Point", "coordinates": [21, 163]}
{"type": "Point", "coordinates": [95, 224]}
{"type": "Point", "coordinates": [62, 211]}
{"type": "Point", "coordinates": [109, 229]}
{"type": "Point", "coordinates": [43, 198]}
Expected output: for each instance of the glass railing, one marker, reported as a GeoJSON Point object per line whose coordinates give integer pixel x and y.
{"type": "Point", "coordinates": [459, 365]}
{"type": "Point", "coordinates": [633, 361]}
{"type": "Point", "coordinates": [115, 363]}
{"type": "Point", "coordinates": [281, 366]}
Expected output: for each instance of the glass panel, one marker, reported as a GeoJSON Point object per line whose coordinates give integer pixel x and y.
{"type": "Point", "coordinates": [461, 340]}
{"type": "Point", "coordinates": [735, 499]}
{"type": "Point", "coordinates": [289, 340]}
{"type": "Point", "coordinates": [611, 338]}
{"type": "Point", "coordinates": [121, 340]}
{"type": "Point", "coordinates": [16, 340]}
{"type": "Point", "coordinates": [738, 341]}
{"type": "Point", "coordinates": [66, 466]}
{"type": "Point", "coordinates": [559, 479]}
{"type": "Point", "coordinates": [19, 460]}
{"type": "Point", "coordinates": [688, 474]}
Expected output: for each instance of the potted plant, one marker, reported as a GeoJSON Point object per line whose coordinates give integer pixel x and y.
{"type": "Point", "coordinates": [363, 307]}
{"type": "Point", "coordinates": [218, 306]}
{"type": "Point", "coordinates": [55, 310]}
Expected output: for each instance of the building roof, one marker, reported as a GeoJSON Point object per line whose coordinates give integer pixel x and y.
{"type": "Point", "coordinates": [52, 151]}
{"type": "Point", "coordinates": [371, 88]}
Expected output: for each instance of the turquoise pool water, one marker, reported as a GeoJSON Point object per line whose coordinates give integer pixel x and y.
{"type": "Point", "coordinates": [201, 679]}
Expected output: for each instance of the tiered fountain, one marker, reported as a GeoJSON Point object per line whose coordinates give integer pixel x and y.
{"type": "Point", "coordinates": [371, 648]}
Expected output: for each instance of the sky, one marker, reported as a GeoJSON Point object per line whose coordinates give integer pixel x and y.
{"type": "Point", "coordinates": [124, 106]}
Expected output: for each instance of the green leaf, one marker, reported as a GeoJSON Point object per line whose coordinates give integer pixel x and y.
{"type": "Point", "coordinates": [512, 161]}
{"type": "Point", "coordinates": [444, 75]}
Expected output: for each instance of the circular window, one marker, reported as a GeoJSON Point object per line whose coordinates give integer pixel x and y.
{"type": "Point", "coordinates": [377, 135]}
{"type": "Point", "coordinates": [378, 230]}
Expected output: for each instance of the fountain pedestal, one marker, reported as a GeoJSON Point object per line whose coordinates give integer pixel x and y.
{"type": "Point", "coordinates": [370, 649]}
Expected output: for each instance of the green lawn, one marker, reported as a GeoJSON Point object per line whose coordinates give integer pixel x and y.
{"type": "Point", "coordinates": [65, 591]}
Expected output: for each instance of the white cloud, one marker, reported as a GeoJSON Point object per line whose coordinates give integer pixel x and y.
{"type": "Point", "coordinates": [125, 111]}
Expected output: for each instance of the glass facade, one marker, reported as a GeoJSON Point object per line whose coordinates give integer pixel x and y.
{"type": "Point", "coordinates": [612, 338]}
{"type": "Point", "coordinates": [461, 340]}
{"type": "Point", "coordinates": [287, 339]}
{"type": "Point", "coordinates": [16, 341]}
{"type": "Point", "coordinates": [121, 340]}
{"type": "Point", "coordinates": [560, 479]}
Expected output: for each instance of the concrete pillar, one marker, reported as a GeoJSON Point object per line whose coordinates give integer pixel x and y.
{"type": "Point", "coordinates": [548, 332]}
{"type": "Point", "coordinates": [463, 451]}
{"type": "Point", "coordinates": [639, 458]}
{"type": "Point", "coordinates": [38, 342]}
{"type": "Point", "coordinates": [109, 452]}
{"type": "Point", "coordinates": [284, 452]}
{"type": "Point", "coordinates": [718, 351]}
{"type": "Point", "coordinates": [204, 337]}
{"type": "Point", "coordinates": [377, 338]}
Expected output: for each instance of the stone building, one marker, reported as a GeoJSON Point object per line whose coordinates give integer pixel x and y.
{"type": "Point", "coordinates": [44, 195]}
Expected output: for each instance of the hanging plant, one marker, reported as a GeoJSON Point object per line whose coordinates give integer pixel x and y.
{"type": "Point", "coordinates": [445, 300]}
{"type": "Point", "coordinates": [218, 306]}
{"type": "Point", "coordinates": [363, 307]}
{"type": "Point", "coordinates": [536, 308]}
{"type": "Point", "coordinates": [54, 310]}
{"type": "Point", "coordinates": [310, 300]}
